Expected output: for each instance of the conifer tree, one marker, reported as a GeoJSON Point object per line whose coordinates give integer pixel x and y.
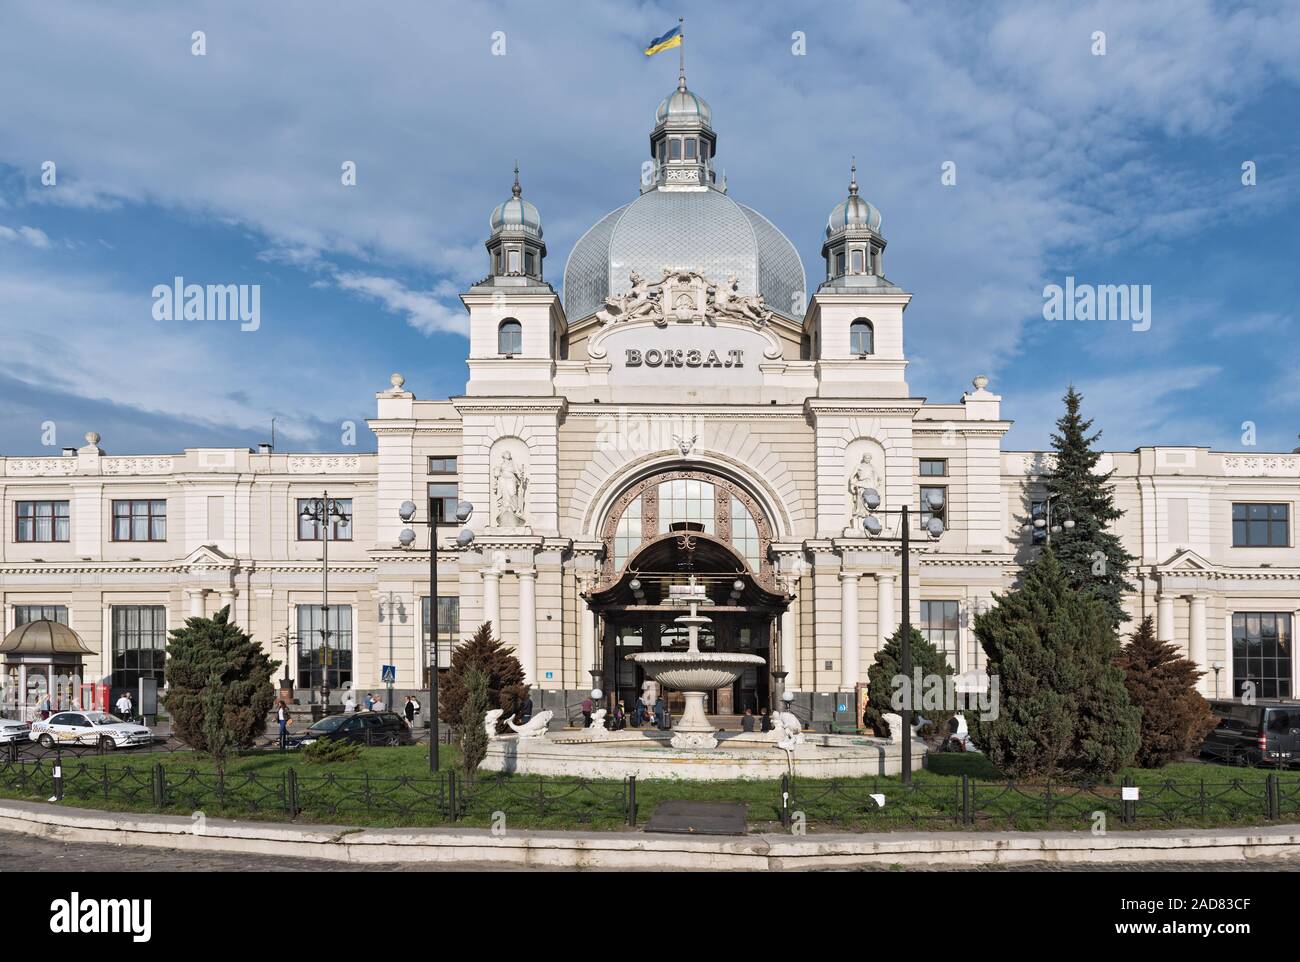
{"type": "Point", "coordinates": [219, 689]}
{"type": "Point", "coordinates": [505, 676]}
{"type": "Point", "coordinates": [473, 736]}
{"type": "Point", "coordinates": [1091, 555]}
{"type": "Point", "coordinates": [1062, 707]}
{"type": "Point", "coordinates": [1162, 684]}
{"type": "Point", "coordinates": [887, 666]}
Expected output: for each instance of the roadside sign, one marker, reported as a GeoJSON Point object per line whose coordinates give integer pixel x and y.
{"type": "Point", "coordinates": [388, 674]}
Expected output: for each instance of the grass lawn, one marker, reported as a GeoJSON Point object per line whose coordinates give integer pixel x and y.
{"type": "Point", "coordinates": [392, 787]}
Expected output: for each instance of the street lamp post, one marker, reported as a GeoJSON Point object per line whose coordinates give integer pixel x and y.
{"type": "Point", "coordinates": [1045, 523]}
{"type": "Point", "coordinates": [396, 610]}
{"type": "Point", "coordinates": [324, 512]}
{"type": "Point", "coordinates": [934, 528]}
{"type": "Point", "coordinates": [407, 537]}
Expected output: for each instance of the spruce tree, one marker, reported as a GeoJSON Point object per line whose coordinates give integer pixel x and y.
{"type": "Point", "coordinates": [1162, 684]}
{"type": "Point", "coordinates": [1092, 556]}
{"type": "Point", "coordinates": [505, 676]}
{"type": "Point", "coordinates": [1062, 707]}
{"type": "Point", "coordinates": [219, 689]}
{"type": "Point", "coordinates": [887, 666]}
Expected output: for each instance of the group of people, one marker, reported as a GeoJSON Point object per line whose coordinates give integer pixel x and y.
{"type": "Point", "coordinates": [642, 714]}
{"type": "Point", "coordinates": [763, 721]}
{"type": "Point", "coordinates": [411, 710]}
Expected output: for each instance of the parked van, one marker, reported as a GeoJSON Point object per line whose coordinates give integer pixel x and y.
{"type": "Point", "coordinates": [1265, 733]}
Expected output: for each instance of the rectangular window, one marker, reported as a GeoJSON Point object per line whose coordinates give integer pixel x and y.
{"type": "Point", "coordinates": [690, 148]}
{"type": "Point", "coordinates": [675, 148]}
{"type": "Point", "coordinates": [442, 502]}
{"type": "Point", "coordinates": [744, 534]}
{"type": "Point", "coordinates": [315, 656]}
{"type": "Point", "coordinates": [934, 467]}
{"type": "Point", "coordinates": [627, 537]}
{"type": "Point", "coordinates": [140, 520]}
{"type": "Point", "coordinates": [28, 613]}
{"type": "Point", "coordinates": [41, 521]}
{"type": "Point", "coordinates": [926, 513]}
{"type": "Point", "coordinates": [139, 645]}
{"type": "Point", "coordinates": [857, 261]}
{"type": "Point", "coordinates": [839, 263]}
{"type": "Point", "coordinates": [340, 529]}
{"type": "Point", "coordinates": [442, 465]}
{"type": "Point", "coordinates": [686, 499]}
{"type": "Point", "coordinates": [448, 628]}
{"type": "Point", "coordinates": [1261, 525]}
{"type": "Point", "coordinates": [939, 620]}
{"type": "Point", "coordinates": [1261, 652]}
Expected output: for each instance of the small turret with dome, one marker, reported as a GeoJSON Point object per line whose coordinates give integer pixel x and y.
{"type": "Point", "coordinates": [515, 246]}
{"type": "Point", "coordinates": [854, 245]}
{"type": "Point", "coordinates": [682, 143]}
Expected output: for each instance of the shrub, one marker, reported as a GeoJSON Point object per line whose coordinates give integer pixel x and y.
{"type": "Point", "coordinates": [501, 669]}
{"type": "Point", "coordinates": [1162, 684]}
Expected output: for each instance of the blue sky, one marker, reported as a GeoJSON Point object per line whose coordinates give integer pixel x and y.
{"type": "Point", "coordinates": [225, 169]}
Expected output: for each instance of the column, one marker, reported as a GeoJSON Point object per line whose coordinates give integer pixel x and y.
{"type": "Point", "coordinates": [586, 643]}
{"type": "Point", "coordinates": [1165, 617]}
{"type": "Point", "coordinates": [789, 657]}
{"type": "Point", "coordinates": [528, 624]}
{"type": "Point", "coordinates": [492, 600]}
{"type": "Point", "coordinates": [1196, 637]}
{"type": "Point", "coordinates": [228, 599]}
{"type": "Point", "coordinates": [196, 602]}
{"type": "Point", "coordinates": [886, 620]}
{"type": "Point", "coordinates": [849, 629]}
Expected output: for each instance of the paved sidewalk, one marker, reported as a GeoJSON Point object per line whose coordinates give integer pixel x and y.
{"type": "Point", "coordinates": [638, 849]}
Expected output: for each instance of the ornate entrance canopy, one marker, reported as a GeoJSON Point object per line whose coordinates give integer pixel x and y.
{"type": "Point", "coordinates": [671, 559]}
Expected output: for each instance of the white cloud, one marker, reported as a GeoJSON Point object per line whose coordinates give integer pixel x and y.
{"type": "Point", "coordinates": [32, 236]}
{"type": "Point", "coordinates": [423, 310]}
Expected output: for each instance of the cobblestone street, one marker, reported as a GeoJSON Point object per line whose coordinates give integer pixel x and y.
{"type": "Point", "coordinates": [25, 853]}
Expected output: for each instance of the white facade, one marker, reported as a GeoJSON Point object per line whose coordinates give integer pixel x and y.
{"type": "Point", "coordinates": [567, 430]}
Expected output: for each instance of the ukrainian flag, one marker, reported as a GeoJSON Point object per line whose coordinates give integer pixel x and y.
{"type": "Point", "coordinates": [673, 38]}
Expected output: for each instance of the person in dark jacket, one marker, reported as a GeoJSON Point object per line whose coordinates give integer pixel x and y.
{"type": "Point", "coordinates": [747, 720]}
{"type": "Point", "coordinates": [526, 709]}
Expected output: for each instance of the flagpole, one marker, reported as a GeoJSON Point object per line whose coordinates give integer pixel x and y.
{"type": "Point", "coordinates": [681, 54]}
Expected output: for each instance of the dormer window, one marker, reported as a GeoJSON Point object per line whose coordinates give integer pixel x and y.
{"type": "Point", "coordinates": [510, 337]}
{"type": "Point", "coordinates": [862, 338]}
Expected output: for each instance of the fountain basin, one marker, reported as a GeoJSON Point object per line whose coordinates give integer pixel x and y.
{"type": "Point", "coordinates": [694, 670]}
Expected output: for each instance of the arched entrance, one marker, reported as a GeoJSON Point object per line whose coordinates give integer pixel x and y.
{"type": "Point", "coordinates": [638, 611]}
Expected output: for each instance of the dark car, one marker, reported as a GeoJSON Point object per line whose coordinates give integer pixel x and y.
{"type": "Point", "coordinates": [1267, 732]}
{"type": "Point", "coordinates": [362, 727]}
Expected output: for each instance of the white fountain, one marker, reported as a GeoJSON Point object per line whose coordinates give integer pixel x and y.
{"type": "Point", "coordinates": [693, 672]}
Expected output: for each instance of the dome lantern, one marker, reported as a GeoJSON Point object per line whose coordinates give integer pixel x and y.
{"type": "Point", "coordinates": [682, 143]}
{"type": "Point", "coordinates": [515, 246]}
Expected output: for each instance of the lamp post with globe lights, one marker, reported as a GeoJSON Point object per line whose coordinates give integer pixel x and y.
{"type": "Point", "coordinates": [1043, 523]}
{"type": "Point", "coordinates": [407, 512]}
{"type": "Point", "coordinates": [934, 528]}
{"type": "Point", "coordinates": [324, 513]}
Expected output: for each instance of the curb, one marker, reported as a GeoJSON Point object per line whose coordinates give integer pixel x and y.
{"type": "Point", "coordinates": [608, 850]}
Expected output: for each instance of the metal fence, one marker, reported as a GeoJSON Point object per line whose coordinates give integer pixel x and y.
{"type": "Point", "coordinates": [967, 802]}
{"type": "Point", "coordinates": [443, 798]}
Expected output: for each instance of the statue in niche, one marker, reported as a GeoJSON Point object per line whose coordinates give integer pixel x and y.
{"type": "Point", "coordinates": [511, 481]}
{"type": "Point", "coordinates": [863, 479]}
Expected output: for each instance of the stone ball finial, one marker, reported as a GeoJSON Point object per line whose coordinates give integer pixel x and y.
{"type": "Point", "coordinates": [92, 437]}
{"type": "Point", "coordinates": [980, 382]}
{"type": "Point", "coordinates": [396, 380]}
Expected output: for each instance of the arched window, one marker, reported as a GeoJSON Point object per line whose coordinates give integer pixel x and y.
{"type": "Point", "coordinates": [862, 337]}
{"type": "Point", "coordinates": [510, 337]}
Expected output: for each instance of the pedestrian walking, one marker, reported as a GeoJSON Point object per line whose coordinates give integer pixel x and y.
{"type": "Point", "coordinates": [409, 711]}
{"type": "Point", "coordinates": [282, 716]}
{"type": "Point", "coordinates": [124, 706]}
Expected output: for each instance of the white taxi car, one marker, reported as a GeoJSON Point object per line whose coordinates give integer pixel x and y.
{"type": "Point", "coordinates": [89, 728]}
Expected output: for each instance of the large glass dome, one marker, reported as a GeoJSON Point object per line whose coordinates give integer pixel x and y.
{"type": "Point", "coordinates": [700, 230]}
{"type": "Point", "coordinates": [683, 222]}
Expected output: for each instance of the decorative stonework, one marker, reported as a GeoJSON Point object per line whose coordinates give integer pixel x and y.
{"type": "Point", "coordinates": [1261, 466]}
{"type": "Point", "coordinates": [683, 297]}
{"type": "Point", "coordinates": [324, 464]}
{"type": "Point", "coordinates": [40, 467]}
{"type": "Point", "coordinates": [128, 465]}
